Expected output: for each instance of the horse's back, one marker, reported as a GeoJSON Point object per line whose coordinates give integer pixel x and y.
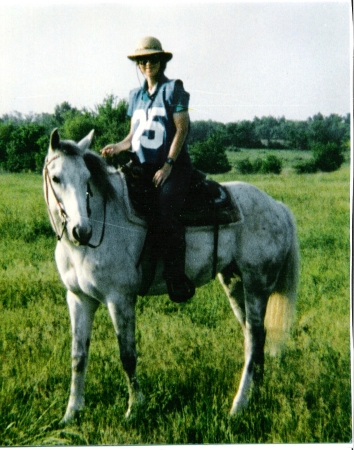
{"type": "Point", "coordinates": [267, 229]}
{"type": "Point", "coordinates": [256, 204]}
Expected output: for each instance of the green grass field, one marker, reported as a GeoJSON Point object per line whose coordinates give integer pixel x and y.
{"type": "Point", "coordinates": [289, 157]}
{"type": "Point", "coordinates": [191, 355]}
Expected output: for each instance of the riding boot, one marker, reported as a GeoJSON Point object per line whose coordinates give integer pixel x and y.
{"type": "Point", "coordinates": [148, 261]}
{"type": "Point", "coordinates": [179, 287]}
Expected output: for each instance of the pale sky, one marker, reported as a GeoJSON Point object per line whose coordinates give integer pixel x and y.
{"type": "Point", "coordinates": [237, 59]}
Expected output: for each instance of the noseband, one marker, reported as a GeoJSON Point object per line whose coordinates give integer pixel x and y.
{"type": "Point", "coordinates": [62, 212]}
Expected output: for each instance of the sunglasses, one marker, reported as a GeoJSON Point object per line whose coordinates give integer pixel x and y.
{"type": "Point", "coordinates": [153, 59]}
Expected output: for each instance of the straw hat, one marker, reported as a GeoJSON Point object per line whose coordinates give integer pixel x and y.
{"type": "Point", "coordinates": [149, 46]}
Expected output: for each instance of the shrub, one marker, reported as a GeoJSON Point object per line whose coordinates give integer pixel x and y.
{"type": "Point", "coordinates": [305, 167]}
{"type": "Point", "coordinates": [271, 164]}
{"type": "Point", "coordinates": [328, 157]}
{"type": "Point", "coordinates": [257, 165]}
{"type": "Point", "coordinates": [244, 166]}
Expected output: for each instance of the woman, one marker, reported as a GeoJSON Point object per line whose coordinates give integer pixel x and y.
{"type": "Point", "coordinates": [158, 132]}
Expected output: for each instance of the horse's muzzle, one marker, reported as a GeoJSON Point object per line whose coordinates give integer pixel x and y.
{"type": "Point", "coordinates": [82, 234]}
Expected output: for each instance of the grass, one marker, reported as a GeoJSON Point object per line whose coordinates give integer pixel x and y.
{"type": "Point", "coordinates": [289, 157]}
{"type": "Point", "coordinates": [190, 356]}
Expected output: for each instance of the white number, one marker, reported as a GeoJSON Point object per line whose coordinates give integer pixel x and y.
{"type": "Point", "coordinates": [154, 140]}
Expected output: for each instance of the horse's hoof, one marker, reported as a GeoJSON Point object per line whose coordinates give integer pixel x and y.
{"type": "Point", "coordinates": [71, 416]}
{"type": "Point", "coordinates": [136, 407]}
{"type": "Point", "coordinates": [238, 408]}
{"type": "Point", "coordinates": [180, 289]}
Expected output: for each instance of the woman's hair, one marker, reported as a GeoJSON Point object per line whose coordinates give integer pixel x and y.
{"type": "Point", "coordinates": [163, 65]}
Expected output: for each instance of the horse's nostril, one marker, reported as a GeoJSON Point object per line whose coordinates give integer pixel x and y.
{"type": "Point", "coordinates": [75, 234]}
{"type": "Point", "coordinates": [82, 234]}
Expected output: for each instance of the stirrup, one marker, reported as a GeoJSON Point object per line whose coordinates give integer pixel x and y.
{"type": "Point", "coordinates": [180, 288]}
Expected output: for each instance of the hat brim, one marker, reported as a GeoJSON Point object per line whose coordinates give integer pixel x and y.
{"type": "Point", "coordinates": [167, 56]}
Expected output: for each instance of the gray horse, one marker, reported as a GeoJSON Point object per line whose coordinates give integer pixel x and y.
{"type": "Point", "coordinates": [100, 240]}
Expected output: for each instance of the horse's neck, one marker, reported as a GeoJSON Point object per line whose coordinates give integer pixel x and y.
{"type": "Point", "coordinates": [119, 220]}
{"type": "Point", "coordinates": [127, 209]}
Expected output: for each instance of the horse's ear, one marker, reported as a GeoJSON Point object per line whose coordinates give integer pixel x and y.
{"type": "Point", "coordinates": [55, 139]}
{"type": "Point", "coordinates": [86, 141]}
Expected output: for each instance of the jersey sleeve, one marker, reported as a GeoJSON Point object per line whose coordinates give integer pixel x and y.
{"type": "Point", "coordinates": [180, 98]}
{"type": "Point", "coordinates": [132, 101]}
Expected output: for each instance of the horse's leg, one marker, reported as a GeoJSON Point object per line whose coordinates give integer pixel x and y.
{"type": "Point", "coordinates": [254, 332]}
{"type": "Point", "coordinates": [231, 282]}
{"type": "Point", "coordinates": [122, 311]}
{"type": "Point", "coordinates": [233, 287]}
{"type": "Point", "coordinates": [82, 311]}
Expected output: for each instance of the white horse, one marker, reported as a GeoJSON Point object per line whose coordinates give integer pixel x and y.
{"type": "Point", "coordinates": [100, 239]}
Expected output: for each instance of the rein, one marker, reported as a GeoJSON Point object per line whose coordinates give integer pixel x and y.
{"type": "Point", "coordinates": [63, 214]}
{"type": "Point", "coordinates": [88, 195]}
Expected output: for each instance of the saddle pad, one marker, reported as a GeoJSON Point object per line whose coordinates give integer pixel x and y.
{"type": "Point", "coordinates": [207, 202]}
{"type": "Point", "coordinates": [210, 204]}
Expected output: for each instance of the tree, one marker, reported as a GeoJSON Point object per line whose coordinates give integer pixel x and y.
{"type": "Point", "coordinates": [299, 135]}
{"type": "Point", "coordinates": [26, 148]}
{"type": "Point", "coordinates": [77, 125]}
{"type": "Point", "coordinates": [333, 128]}
{"type": "Point", "coordinates": [242, 134]}
{"type": "Point", "coordinates": [61, 111]}
{"type": "Point", "coordinates": [6, 131]}
{"type": "Point", "coordinates": [112, 123]}
{"type": "Point", "coordinates": [266, 128]}
{"type": "Point", "coordinates": [210, 156]}
{"type": "Point", "coordinates": [201, 130]}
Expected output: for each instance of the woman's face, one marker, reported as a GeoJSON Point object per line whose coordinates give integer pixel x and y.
{"type": "Point", "coordinates": [150, 66]}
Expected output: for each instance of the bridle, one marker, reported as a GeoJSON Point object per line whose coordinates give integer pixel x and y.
{"type": "Point", "coordinates": [49, 185]}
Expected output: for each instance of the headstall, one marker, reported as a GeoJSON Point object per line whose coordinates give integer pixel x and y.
{"type": "Point", "coordinates": [62, 212]}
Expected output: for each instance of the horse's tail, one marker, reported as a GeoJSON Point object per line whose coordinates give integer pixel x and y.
{"type": "Point", "coordinates": [281, 304]}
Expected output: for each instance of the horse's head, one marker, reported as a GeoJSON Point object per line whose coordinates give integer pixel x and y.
{"type": "Point", "coordinates": [66, 187]}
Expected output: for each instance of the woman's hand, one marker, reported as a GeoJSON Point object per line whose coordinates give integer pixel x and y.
{"type": "Point", "coordinates": [110, 150]}
{"type": "Point", "coordinates": [161, 175]}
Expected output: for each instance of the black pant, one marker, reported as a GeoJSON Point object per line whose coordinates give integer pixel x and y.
{"type": "Point", "coordinates": [165, 224]}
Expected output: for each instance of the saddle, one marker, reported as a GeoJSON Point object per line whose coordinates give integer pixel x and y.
{"type": "Point", "coordinates": [207, 203]}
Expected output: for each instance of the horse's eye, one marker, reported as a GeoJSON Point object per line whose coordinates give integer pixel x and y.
{"type": "Point", "coordinates": [56, 179]}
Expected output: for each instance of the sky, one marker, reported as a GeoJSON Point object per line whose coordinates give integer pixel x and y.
{"type": "Point", "coordinates": [238, 60]}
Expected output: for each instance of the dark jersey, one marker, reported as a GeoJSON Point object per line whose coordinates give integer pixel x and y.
{"type": "Point", "coordinates": [152, 120]}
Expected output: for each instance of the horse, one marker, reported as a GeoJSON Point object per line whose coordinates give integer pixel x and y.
{"type": "Point", "coordinates": [100, 240]}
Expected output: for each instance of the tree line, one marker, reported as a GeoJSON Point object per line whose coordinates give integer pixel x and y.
{"type": "Point", "coordinates": [24, 139]}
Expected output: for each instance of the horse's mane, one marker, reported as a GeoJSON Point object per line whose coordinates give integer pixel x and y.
{"type": "Point", "coordinates": [95, 164]}
{"type": "Point", "coordinates": [100, 174]}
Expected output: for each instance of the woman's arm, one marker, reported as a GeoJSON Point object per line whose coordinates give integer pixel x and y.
{"type": "Point", "coordinates": [181, 121]}
{"type": "Point", "coordinates": [115, 149]}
